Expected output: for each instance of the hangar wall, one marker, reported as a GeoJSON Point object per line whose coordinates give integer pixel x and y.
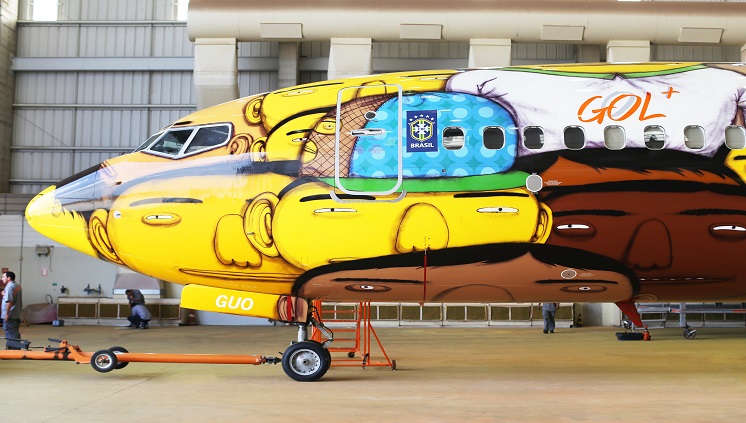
{"type": "Point", "coordinates": [96, 82]}
{"type": "Point", "coordinates": [8, 19]}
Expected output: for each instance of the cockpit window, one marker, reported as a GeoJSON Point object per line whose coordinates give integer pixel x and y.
{"type": "Point", "coordinates": [207, 137]}
{"type": "Point", "coordinates": [148, 142]}
{"type": "Point", "coordinates": [172, 142]}
{"type": "Point", "coordinates": [180, 142]}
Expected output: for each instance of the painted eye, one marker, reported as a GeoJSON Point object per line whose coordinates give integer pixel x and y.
{"type": "Point", "coordinates": [327, 127]}
{"type": "Point", "coordinates": [728, 231]}
{"type": "Point", "coordinates": [335, 210]}
{"type": "Point", "coordinates": [497, 210]}
{"type": "Point", "coordinates": [161, 219]}
{"type": "Point", "coordinates": [367, 288]}
{"type": "Point", "coordinates": [574, 229]}
{"type": "Point", "coordinates": [583, 288]}
{"type": "Point", "coordinates": [573, 226]}
{"type": "Point", "coordinates": [729, 228]}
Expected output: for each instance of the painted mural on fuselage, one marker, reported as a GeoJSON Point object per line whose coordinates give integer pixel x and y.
{"type": "Point", "coordinates": [249, 195]}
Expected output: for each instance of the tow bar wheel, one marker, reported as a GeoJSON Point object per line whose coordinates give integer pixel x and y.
{"type": "Point", "coordinates": [119, 350]}
{"type": "Point", "coordinates": [104, 361]}
{"type": "Point", "coordinates": [305, 361]}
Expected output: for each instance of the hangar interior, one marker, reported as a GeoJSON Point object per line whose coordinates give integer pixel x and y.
{"type": "Point", "coordinates": [82, 81]}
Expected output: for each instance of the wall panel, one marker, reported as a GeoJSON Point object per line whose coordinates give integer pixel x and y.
{"type": "Point", "coordinates": [171, 41]}
{"type": "Point", "coordinates": [45, 87]}
{"type": "Point", "coordinates": [44, 40]}
{"type": "Point", "coordinates": [110, 128]}
{"type": "Point", "coordinates": [112, 88]}
{"type": "Point", "coordinates": [258, 49]}
{"type": "Point", "coordinates": [113, 10]}
{"type": "Point", "coordinates": [250, 83]}
{"type": "Point", "coordinates": [42, 165]}
{"type": "Point", "coordinates": [695, 53]}
{"type": "Point", "coordinates": [171, 88]}
{"type": "Point", "coordinates": [113, 41]}
{"type": "Point", "coordinates": [43, 128]}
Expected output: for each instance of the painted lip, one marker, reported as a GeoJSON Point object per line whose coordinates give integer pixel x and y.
{"type": "Point", "coordinates": [674, 280]}
{"type": "Point", "coordinates": [255, 277]}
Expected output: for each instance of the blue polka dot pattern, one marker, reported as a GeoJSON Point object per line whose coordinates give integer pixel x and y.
{"type": "Point", "coordinates": [376, 156]}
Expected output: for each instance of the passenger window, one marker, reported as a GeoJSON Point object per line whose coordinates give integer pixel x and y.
{"type": "Point", "coordinates": [533, 137]}
{"type": "Point", "coordinates": [453, 138]}
{"type": "Point", "coordinates": [207, 137]}
{"type": "Point", "coordinates": [694, 137]}
{"type": "Point", "coordinates": [493, 137]}
{"type": "Point", "coordinates": [655, 137]}
{"type": "Point", "coordinates": [614, 137]}
{"type": "Point", "coordinates": [735, 137]}
{"type": "Point", "coordinates": [172, 142]}
{"type": "Point", "coordinates": [574, 137]}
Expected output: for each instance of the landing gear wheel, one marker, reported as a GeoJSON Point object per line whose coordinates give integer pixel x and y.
{"type": "Point", "coordinates": [103, 361]}
{"type": "Point", "coordinates": [690, 334]}
{"type": "Point", "coordinates": [306, 361]}
{"type": "Point", "coordinates": [119, 350]}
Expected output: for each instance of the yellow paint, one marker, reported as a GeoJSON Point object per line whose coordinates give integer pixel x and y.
{"type": "Point", "coordinates": [230, 301]}
{"type": "Point", "coordinates": [205, 235]}
{"type": "Point", "coordinates": [318, 232]}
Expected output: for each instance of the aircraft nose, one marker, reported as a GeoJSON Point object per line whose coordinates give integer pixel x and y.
{"type": "Point", "coordinates": [61, 211]}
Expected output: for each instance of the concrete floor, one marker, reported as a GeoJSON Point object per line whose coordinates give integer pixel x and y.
{"type": "Point", "coordinates": [444, 375]}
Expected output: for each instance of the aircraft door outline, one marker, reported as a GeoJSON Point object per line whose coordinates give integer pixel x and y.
{"type": "Point", "coordinates": [361, 131]}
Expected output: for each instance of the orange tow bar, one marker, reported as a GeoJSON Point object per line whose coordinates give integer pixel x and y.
{"type": "Point", "coordinates": [118, 357]}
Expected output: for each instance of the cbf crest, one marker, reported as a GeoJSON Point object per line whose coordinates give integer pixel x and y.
{"type": "Point", "coordinates": [422, 131]}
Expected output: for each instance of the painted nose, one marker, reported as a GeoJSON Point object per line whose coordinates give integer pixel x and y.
{"type": "Point", "coordinates": [650, 247]}
{"type": "Point", "coordinates": [422, 226]}
{"type": "Point", "coordinates": [61, 211]}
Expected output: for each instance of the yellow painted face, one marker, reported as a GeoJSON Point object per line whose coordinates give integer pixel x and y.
{"type": "Point", "coordinates": [310, 229]}
{"type": "Point", "coordinates": [154, 226]}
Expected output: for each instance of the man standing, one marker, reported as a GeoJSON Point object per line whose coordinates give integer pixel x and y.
{"type": "Point", "coordinates": [548, 311]}
{"type": "Point", "coordinates": [11, 309]}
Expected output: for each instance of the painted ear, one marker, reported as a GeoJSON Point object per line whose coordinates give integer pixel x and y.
{"type": "Point", "coordinates": [231, 246]}
{"type": "Point", "coordinates": [258, 223]}
{"type": "Point", "coordinates": [253, 111]}
{"type": "Point", "coordinates": [99, 236]}
{"type": "Point", "coordinates": [239, 144]}
{"type": "Point", "coordinates": [258, 149]}
{"type": "Point", "coordinates": [543, 225]}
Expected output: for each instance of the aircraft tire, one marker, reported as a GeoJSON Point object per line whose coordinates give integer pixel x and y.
{"type": "Point", "coordinates": [119, 350]}
{"type": "Point", "coordinates": [306, 361]}
{"type": "Point", "coordinates": [103, 361]}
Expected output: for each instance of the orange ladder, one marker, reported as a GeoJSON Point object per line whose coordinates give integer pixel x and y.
{"type": "Point", "coordinates": [358, 331]}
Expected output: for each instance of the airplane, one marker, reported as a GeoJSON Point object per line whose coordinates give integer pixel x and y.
{"type": "Point", "coordinates": [599, 182]}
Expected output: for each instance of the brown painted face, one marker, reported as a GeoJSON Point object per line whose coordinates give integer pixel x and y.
{"type": "Point", "coordinates": [682, 245]}
{"type": "Point", "coordinates": [487, 273]}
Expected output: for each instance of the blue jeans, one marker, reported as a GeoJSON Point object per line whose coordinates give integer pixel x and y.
{"type": "Point", "coordinates": [548, 320]}
{"type": "Point", "coordinates": [11, 327]}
